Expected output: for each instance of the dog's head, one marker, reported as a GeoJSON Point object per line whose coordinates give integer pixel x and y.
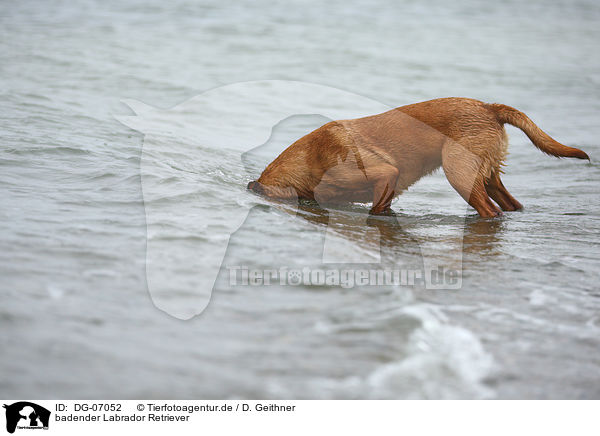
{"type": "Point", "coordinates": [273, 191]}
{"type": "Point", "coordinates": [257, 187]}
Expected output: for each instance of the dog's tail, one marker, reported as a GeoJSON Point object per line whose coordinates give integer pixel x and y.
{"type": "Point", "coordinates": [540, 139]}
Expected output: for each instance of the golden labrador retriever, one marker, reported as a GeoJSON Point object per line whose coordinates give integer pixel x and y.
{"type": "Point", "coordinates": [374, 159]}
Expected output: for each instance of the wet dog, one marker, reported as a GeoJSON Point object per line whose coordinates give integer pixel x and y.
{"type": "Point", "coordinates": [374, 159]}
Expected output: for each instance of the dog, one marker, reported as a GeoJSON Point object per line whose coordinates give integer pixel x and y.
{"type": "Point", "coordinates": [374, 159]}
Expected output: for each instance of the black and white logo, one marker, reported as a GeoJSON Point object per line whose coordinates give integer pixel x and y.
{"type": "Point", "coordinates": [26, 415]}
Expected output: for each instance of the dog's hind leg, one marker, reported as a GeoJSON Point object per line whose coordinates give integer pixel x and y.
{"type": "Point", "coordinates": [498, 192]}
{"type": "Point", "coordinates": [462, 169]}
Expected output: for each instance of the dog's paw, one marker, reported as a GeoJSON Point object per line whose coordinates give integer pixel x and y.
{"type": "Point", "coordinates": [385, 212]}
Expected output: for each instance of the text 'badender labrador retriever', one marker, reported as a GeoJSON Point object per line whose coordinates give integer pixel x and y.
{"type": "Point", "coordinates": [374, 159]}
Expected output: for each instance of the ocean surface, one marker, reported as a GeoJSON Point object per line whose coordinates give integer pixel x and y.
{"type": "Point", "coordinates": [129, 131]}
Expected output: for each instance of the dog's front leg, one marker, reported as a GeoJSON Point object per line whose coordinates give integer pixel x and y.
{"type": "Point", "coordinates": [385, 178]}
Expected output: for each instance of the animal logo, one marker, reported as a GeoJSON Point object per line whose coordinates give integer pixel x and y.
{"type": "Point", "coordinates": [27, 415]}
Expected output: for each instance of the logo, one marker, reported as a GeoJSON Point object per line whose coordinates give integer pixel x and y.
{"type": "Point", "coordinates": [26, 415]}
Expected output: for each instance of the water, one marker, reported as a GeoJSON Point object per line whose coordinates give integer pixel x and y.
{"type": "Point", "coordinates": [76, 312]}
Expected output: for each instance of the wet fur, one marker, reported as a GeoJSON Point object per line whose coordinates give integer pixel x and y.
{"type": "Point", "coordinates": [374, 159]}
